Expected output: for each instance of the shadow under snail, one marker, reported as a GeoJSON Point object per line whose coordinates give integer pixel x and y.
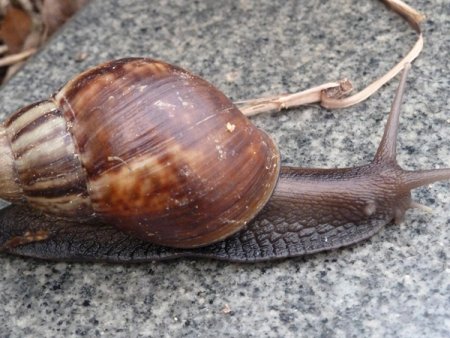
{"type": "Point", "coordinates": [137, 160]}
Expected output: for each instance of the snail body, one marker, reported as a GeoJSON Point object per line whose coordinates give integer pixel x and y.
{"type": "Point", "coordinates": [136, 155]}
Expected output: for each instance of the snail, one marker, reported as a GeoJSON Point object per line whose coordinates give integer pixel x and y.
{"type": "Point", "coordinates": [137, 160]}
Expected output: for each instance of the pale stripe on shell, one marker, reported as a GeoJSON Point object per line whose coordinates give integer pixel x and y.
{"type": "Point", "coordinates": [48, 167]}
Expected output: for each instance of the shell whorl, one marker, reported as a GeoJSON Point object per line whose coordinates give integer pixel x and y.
{"type": "Point", "coordinates": [10, 189]}
{"type": "Point", "coordinates": [156, 150]}
{"type": "Point", "coordinates": [46, 165]}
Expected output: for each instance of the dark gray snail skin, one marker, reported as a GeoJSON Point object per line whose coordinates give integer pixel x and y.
{"type": "Point", "coordinates": [310, 210]}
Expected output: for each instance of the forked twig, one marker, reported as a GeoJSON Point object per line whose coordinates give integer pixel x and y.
{"type": "Point", "coordinates": [284, 101]}
{"type": "Point", "coordinates": [334, 95]}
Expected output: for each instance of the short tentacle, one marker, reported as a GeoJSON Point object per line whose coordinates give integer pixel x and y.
{"type": "Point", "coordinates": [416, 179]}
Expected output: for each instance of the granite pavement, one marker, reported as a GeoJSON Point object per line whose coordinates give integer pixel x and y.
{"type": "Point", "coordinates": [397, 284]}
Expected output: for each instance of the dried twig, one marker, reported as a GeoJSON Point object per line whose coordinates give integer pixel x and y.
{"type": "Point", "coordinates": [333, 95]}
{"type": "Point", "coordinates": [414, 18]}
{"type": "Point", "coordinates": [12, 59]}
{"type": "Point", "coordinates": [284, 101]}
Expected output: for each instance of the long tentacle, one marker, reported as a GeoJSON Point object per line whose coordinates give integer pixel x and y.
{"type": "Point", "coordinates": [387, 150]}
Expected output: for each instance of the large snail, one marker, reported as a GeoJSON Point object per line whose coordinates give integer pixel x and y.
{"type": "Point", "coordinates": [135, 156]}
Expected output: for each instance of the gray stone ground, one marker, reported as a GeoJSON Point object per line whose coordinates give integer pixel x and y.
{"type": "Point", "coordinates": [396, 284]}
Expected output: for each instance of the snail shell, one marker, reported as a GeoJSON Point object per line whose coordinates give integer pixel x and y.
{"type": "Point", "coordinates": [147, 146]}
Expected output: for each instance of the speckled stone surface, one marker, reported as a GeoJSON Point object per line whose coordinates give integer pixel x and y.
{"type": "Point", "coordinates": [395, 285]}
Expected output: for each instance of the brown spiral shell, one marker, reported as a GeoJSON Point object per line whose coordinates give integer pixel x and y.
{"type": "Point", "coordinates": [159, 152]}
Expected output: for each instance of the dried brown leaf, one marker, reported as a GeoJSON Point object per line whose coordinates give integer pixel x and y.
{"type": "Point", "coordinates": [15, 28]}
